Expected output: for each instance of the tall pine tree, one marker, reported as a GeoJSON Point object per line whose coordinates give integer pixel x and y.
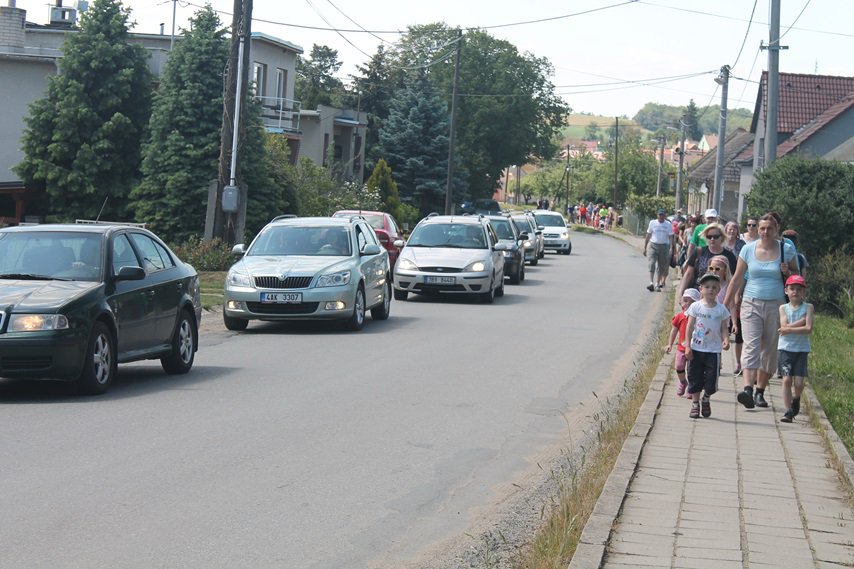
{"type": "Point", "coordinates": [182, 153]}
{"type": "Point", "coordinates": [414, 142]}
{"type": "Point", "coordinates": [82, 141]}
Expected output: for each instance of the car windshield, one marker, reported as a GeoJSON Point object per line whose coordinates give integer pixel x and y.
{"type": "Point", "coordinates": [502, 228]}
{"type": "Point", "coordinates": [550, 220]}
{"type": "Point", "coordinates": [302, 240]}
{"type": "Point", "coordinates": [454, 235]}
{"type": "Point", "coordinates": [73, 256]}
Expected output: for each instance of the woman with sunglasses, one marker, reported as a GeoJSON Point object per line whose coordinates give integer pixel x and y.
{"type": "Point", "coordinates": [752, 233]}
{"type": "Point", "coordinates": [699, 260]}
{"type": "Point", "coordinates": [764, 265]}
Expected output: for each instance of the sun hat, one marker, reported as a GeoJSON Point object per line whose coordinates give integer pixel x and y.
{"type": "Point", "coordinates": [709, 277]}
{"type": "Point", "coordinates": [711, 212]}
{"type": "Point", "coordinates": [691, 293]}
{"type": "Point", "coordinates": [796, 280]}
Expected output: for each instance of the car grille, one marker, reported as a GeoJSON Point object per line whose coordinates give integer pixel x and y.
{"type": "Point", "coordinates": [277, 283]}
{"type": "Point", "coordinates": [440, 288]}
{"type": "Point", "coordinates": [441, 270]}
{"type": "Point", "coordinates": [299, 308]}
{"type": "Point", "coordinates": [24, 363]}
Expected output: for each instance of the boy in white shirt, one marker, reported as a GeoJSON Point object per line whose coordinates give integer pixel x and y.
{"type": "Point", "coordinates": [708, 322]}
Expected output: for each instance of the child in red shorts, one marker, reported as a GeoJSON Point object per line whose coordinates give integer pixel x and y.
{"type": "Point", "coordinates": [680, 325]}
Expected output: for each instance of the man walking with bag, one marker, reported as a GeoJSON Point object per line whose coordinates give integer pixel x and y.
{"type": "Point", "coordinates": [659, 233]}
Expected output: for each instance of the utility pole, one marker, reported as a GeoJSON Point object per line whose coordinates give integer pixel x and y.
{"type": "Point", "coordinates": [681, 162]}
{"type": "Point", "coordinates": [773, 84]}
{"type": "Point", "coordinates": [449, 187]}
{"type": "Point", "coordinates": [718, 193]}
{"type": "Point", "coordinates": [172, 38]}
{"type": "Point", "coordinates": [660, 167]}
{"type": "Point", "coordinates": [568, 175]}
{"type": "Point", "coordinates": [616, 155]}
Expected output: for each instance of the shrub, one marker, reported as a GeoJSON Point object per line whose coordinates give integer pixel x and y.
{"type": "Point", "coordinates": [831, 284]}
{"type": "Point", "coordinates": [214, 255]}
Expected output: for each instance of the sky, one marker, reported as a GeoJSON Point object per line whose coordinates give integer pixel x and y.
{"type": "Point", "coordinates": [610, 57]}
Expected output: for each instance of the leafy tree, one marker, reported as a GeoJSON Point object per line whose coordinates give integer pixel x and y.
{"type": "Point", "coordinates": [414, 142]}
{"type": "Point", "coordinates": [691, 119]}
{"type": "Point", "coordinates": [316, 83]}
{"type": "Point", "coordinates": [182, 153]}
{"type": "Point", "coordinates": [591, 131]}
{"type": "Point", "coordinates": [82, 141]}
{"type": "Point", "coordinates": [813, 196]}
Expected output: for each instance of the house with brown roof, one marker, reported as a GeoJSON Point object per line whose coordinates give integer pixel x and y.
{"type": "Point", "coordinates": [701, 178]}
{"type": "Point", "coordinates": [815, 119]}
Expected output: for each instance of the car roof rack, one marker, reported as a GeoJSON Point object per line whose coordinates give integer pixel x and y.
{"type": "Point", "coordinates": [284, 216]}
{"type": "Point", "coordinates": [101, 222]}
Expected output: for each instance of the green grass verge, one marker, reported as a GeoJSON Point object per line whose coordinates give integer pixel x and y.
{"type": "Point", "coordinates": [832, 374]}
{"type": "Point", "coordinates": [212, 283]}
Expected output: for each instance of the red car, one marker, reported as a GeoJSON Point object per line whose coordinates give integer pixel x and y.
{"type": "Point", "coordinates": [384, 225]}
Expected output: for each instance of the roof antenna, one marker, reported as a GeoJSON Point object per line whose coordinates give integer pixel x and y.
{"type": "Point", "coordinates": [103, 205]}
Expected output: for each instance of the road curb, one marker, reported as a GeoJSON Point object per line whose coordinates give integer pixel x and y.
{"type": "Point", "coordinates": [590, 551]}
{"type": "Point", "coordinates": [836, 447]}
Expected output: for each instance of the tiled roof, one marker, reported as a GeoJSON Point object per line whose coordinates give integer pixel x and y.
{"type": "Point", "coordinates": [735, 143]}
{"type": "Point", "coordinates": [802, 98]}
{"type": "Point", "coordinates": [815, 125]}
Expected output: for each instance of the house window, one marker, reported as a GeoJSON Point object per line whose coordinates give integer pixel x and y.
{"type": "Point", "coordinates": [281, 83]}
{"type": "Point", "coordinates": [259, 78]}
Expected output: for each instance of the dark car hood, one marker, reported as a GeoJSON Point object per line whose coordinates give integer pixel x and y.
{"type": "Point", "coordinates": [34, 296]}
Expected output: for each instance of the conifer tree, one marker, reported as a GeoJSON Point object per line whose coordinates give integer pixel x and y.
{"type": "Point", "coordinates": [82, 140]}
{"type": "Point", "coordinates": [381, 181]}
{"type": "Point", "coordinates": [182, 153]}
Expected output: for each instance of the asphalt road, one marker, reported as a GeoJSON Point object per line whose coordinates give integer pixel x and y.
{"type": "Point", "coordinates": [304, 446]}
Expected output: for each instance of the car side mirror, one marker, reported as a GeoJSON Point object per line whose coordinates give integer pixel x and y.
{"type": "Point", "coordinates": [130, 274]}
{"type": "Point", "coordinates": [523, 236]}
{"type": "Point", "coordinates": [540, 227]}
{"type": "Point", "coordinates": [371, 249]}
{"type": "Point", "coordinates": [501, 247]}
{"type": "Point", "coordinates": [399, 243]}
{"type": "Point", "coordinates": [238, 250]}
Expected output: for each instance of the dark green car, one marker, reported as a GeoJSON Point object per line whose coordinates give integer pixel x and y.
{"type": "Point", "coordinates": [78, 299]}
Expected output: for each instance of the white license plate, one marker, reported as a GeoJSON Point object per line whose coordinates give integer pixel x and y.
{"type": "Point", "coordinates": [440, 280]}
{"type": "Point", "coordinates": [281, 297]}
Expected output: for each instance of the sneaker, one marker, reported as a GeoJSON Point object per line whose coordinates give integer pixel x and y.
{"type": "Point", "coordinates": [746, 398]}
{"type": "Point", "coordinates": [796, 406]}
{"type": "Point", "coordinates": [650, 287]}
{"type": "Point", "coordinates": [759, 399]}
{"type": "Point", "coordinates": [680, 389]}
{"type": "Point", "coordinates": [658, 287]}
{"type": "Point", "coordinates": [787, 416]}
{"type": "Point", "coordinates": [706, 407]}
{"type": "Point", "coordinates": [695, 410]}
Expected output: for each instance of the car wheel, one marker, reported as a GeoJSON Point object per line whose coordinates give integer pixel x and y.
{"type": "Point", "coordinates": [382, 310]}
{"type": "Point", "coordinates": [516, 278]}
{"type": "Point", "coordinates": [357, 319]}
{"type": "Point", "coordinates": [400, 294]}
{"type": "Point", "coordinates": [569, 250]}
{"type": "Point", "coordinates": [535, 260]}
{"type": "Point", "coordinates": [183, 347]}
{"type": "Point", "coordinates": [500, 290]}
{"type": "Point", "coordinates": [234, 324]}
{"type": "Point", "coordinates": [522, 272]}
{"type": "Point", "coordinates": [542, 253]}
{"type": "Point", "coordinates": [101, 364]}
{"type": "Point", "coordinates": [488, 296]}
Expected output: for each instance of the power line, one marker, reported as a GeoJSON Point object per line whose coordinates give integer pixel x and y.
{"type": "Point", "coordinates": [746, 34]}
{"type": "Point", "coordinates": [801, 13]}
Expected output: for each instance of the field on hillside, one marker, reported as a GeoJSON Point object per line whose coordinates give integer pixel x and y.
{"type": "Point", "coordinates": [577, 124]}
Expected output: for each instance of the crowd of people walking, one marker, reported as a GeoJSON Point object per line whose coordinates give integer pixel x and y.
{"type": "Point", "coordinates": [746, 286]}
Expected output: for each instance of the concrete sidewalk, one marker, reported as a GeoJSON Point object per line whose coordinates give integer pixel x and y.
{"type": "Point", "coordinates": [738, 489]}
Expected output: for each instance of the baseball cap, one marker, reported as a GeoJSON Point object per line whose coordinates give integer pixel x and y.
{"type": "Point", "coordinates": [661, 210]}
{"type": "Point", "coordinates": [691, 293]}
{"type": "Point", "coordinates": [709, 277]}
{"type": "Point", "coordinates": [711, 212]}
{"type": "Point", "coordinates": [796, 280]}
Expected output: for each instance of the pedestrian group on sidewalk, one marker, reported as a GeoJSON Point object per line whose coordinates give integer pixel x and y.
{"type": "Point", "coordinates": [751, 286]}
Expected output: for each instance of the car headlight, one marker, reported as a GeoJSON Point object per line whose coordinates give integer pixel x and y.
{"type": "Point", "coordinates": [406, 264]}
{"type": "Point", "coordinates": [476, 267]}
{"type": "Point", "coordinates": [340, 278]}
{"type": "Point", "coordinates": [564, 235]}
{"type": "Point", "coordinates": [509, 254]}
{"type": "Point", "coordinates": [37, 322]}
{"type": "Point", "coordinates": [528, 244]}
{"type": "Point", "coordinates": [238, 279]}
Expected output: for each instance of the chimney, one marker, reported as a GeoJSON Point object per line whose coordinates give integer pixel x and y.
{"type": "Point", "coordinates": [62, 16]}
{"type": "Point", "coordinates": [12, 22]}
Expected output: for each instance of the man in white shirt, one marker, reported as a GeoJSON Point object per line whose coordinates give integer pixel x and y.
{"type": "Point", "coordinates": [660, 234]}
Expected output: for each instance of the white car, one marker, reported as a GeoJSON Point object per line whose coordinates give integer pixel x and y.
{"type": "Point", "coordinates": [309, 268]}
{"type": "Point", "coordinates": [451, 254]}
{"type": "Point", "coordinates": [555, 231]}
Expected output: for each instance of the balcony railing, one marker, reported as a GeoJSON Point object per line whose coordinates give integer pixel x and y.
{"type": "Point", "coordinates": [280, 114]}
